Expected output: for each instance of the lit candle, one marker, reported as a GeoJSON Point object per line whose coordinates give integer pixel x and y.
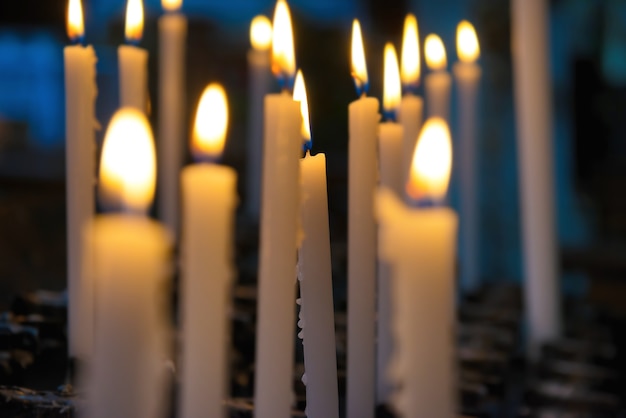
{"type": "Point", "coordinates": [130, 255]}
{"type": "Point", "coordinates": [133, 61]}
{"type": "Point", "coordinates": [209, 202]}
{"type": "Point", "coordinates": [279, 232]}
{"type": "Point", "coordinates": [80, 155]}
{"type": "Point", "coordinates": [411, 109]}
{"type": "Point", "coordinates": [533, 100]}
{"type": "Point", "coordinates": [172, 38]}
{"type": "Point", "coordinates": [315, 275]}
{"type": "Point", "coordinates": [467, 76]}
{"type": "Point", "coordinates": [439, 81]}
{"type": "Point", "coordinates": [362, 178]}
{"type": "Point", "coordinates": [420, 246]}
{"type": "Point", "coordinates": [260, 82]}
{"type": "Point", "coordinates": [390, 149]}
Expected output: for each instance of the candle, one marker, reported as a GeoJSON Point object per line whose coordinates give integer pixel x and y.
{"type": "Point", "coordinates": [533, 102]}
{"type": "Point", "coordinates": [315, 275]}
{"type": "Point", "coordinates": [438, 82]}
{"type": "Point", "coordinates": [412, 106]}
{"type": "Point", "coordinates": [209, 193]}
{"type": "Point", "coordinates": [362, 178]}
{"type": "Point", "coordinates": [279, 233]}
{"type": "Point", "coordinates": [172, 37]}
{"type": "Point", "coordinates": [80, 122]}
{"type": "Point", "coordinates": [260, 82]}
{"type": "Point", "coordinates": [390, 149]}
{"type": "Point", "coordinates": [133, 61]}
{"type": "Point", "coordinates": [467, 76]}
{"type": "Point", "coordinates": [420, 246]}
{"type": "Point", "coordinates": [130, 255]}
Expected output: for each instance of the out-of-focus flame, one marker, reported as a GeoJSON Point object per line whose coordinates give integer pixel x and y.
{"type": "Point", "coordinates": [75, 21]}
{"type": "Point", "coordinates": [128, 162]}
{"type": "Point", "coordinates": [467, 46]}
{"type": "Point", "coordinates": [134, 20]}
{"type": "Point", "coordinates": [171, 5]}
{"type": "Point", "coordinates": [299, 95]}
{"type": "Point", "coordinates": [432, 162]}
{"type": "Point", "coordinates": [411, 66]}
{"type": "Point", "coordinates": [283, 55]}
{"type": "Point", "coordinates": [392, 92]}
{"type": "Point", "coordinates": [435, 53]}
{"type": "Point", "coordinates": [211, 124]}
{"type": "Point", "coordinates": [359, 68]}
{"type": "Point", "coordinates": [261, 33]}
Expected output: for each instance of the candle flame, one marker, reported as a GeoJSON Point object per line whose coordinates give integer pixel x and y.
{"type": "Point", "coordinates": [283, 56]}
{"type": "Point", "coordinates": [467, 45]}
{"type": "Point", "coordinates": [171, 5]}
{"type": "Point", "coordinates": [128, 162]}
{"type": "Point", "coordinates": [261, 33]}
{"type": "Point", "coordinates": [211, 124]}
{"type": "Point", "coordinates": [75, 21]}
{"type": "Point", "coordinates": [435, 53]}
{"type": "Point", "coordinates": [432, 162]}
{"type": "Point", "coordinates": [359, 68]}
{"type": "Point", "coordinates": [299, 95]}
{"type": "Point", "coordinates": [411, 66]}
{"type": "Point", "coordinates": [392, 86]}
{"type": "Point", "coordinates": [134, 20]}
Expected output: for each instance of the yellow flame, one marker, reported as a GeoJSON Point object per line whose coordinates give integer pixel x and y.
{"type": "Point", "coordinates": [134, 20]}
{"type": "Point", "coordinates": [411, 66]}
{"type": "Point", "coordinates": [359, 68]}
{"type": "Point", "coordinates": [467, 46]}
{"type": "Point", "coordinates": [209, 132]}
{"type": "Point", "coordinates": [435, 53]}
{"type": "Point", "coordinates": [261, 33]}
{"type": "Point", "coordinates": [283, 56]}
{"type": "Point", "coordinates": [128, 161]}
{"type": "Point", "coordinates": [392, 94]}
{"type": "Point", "coordinates": [432, 161]}
{"type": "Point", "coordinates": [171, 5]}
{"type": "Point", "coordinates": [299, 95]}
{"type": "Point", "coordinates": [75, 22]}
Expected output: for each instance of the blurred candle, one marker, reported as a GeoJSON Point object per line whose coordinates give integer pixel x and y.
{"type": "Point", "coordinates": [419, 243]}
{"type": "Point", "coordinates": [133, 61]}
{"type": "Point", "coordinates": [390, 159]}
{"type": "Point", "coordinates": [439, 81]}
{"type": "Point", "coordinates": [533, 101]}
{"type": "Point", "coordinates": [80, 167]}
{"type": "Point", "coordinates": [260, 79]}
{"type": "Point", "coordinates": [209, 202]}
{"type": "Point", "coordinates": [279, 233]}
{"type": "Point", "coordinates": [315, 275]}
{"type": "Point", "coordinates": [362, 179]}
{"type": "Point", "coordinates": [172, 39]}
{"type": "Point", "coordinates": [411, 109]}
{"type": "Point", "coordinates": [130, 255]}
{"type": "Point", "coordinates": [467, 76]}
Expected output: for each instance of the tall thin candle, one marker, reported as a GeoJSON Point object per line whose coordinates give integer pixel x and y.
{"type": "Point", "coordinates": [133, 61]}
{"type": "Point", "coordinates": [439, 82]}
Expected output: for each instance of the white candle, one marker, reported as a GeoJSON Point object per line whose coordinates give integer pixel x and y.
{"type": "Point", "coordinates": [260, 82]}
{"type": "Point", "coordinates": [316, 284]}
{"type": "Point", "coordinates": [279, 234]}
{"type": "Point", "coordinates": [209, 201]}
{"type": "Point", "coordinates": [467, 76]}
{"type": "Point", "coordinates": [362, 178]}
{"type": "Point", "coordinates": [133, 61]}
{"type": "Point", "coordinates": [411, 109]}
{"type": "Point", "coordinates": [130, 255]}
{"type": "Point", "coordinates": [533, 102]}
{"type": "Point", "coordinates": [80, 101]}
{"type": "Point", "coordinates": [390, 159]}
{"type": "Point", "coordinates": [439, 82]}
{"type": "Point", "coordinates": [420, 246]}
{"type": "Point", "coordinates": [172, 38]}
